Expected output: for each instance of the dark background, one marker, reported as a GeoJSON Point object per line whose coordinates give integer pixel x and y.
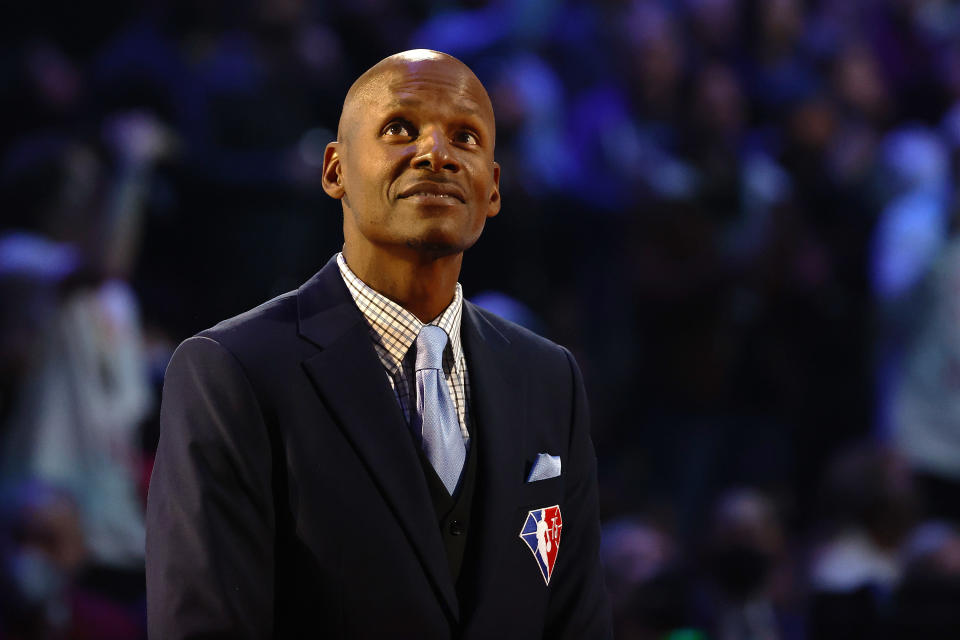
{"type": "Point", "coordinates": [737, 214]}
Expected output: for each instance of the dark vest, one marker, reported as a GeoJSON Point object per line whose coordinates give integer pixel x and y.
{"type": "Point", "coordinates": [454, 513]}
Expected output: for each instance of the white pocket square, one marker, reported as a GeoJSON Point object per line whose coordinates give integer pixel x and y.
{"type": "Point", "coordinates": [544, 467]}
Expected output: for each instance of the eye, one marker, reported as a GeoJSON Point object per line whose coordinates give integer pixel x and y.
{"type": "Point", "coordinates": [398, 128]}
{"type": "Point", "coordinates": [466, 137]}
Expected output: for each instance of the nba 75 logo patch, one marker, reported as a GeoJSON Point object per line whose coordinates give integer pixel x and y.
{"type": "Point", "coordinates": [541, 532]}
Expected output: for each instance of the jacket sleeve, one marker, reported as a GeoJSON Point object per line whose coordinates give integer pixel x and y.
{"type": "Point", "coordinates": [579, 608]}
{"type": "Point", "coordinates": [210, 514]}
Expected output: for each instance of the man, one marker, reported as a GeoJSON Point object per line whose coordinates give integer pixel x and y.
{"type": "Point", "coordinates": [331, 466]}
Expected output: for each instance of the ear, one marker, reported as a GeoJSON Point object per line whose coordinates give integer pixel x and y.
{"type": "Point", "coordinates": [495, 192]}
{"type": "Point", "coordinates": [332, 178]}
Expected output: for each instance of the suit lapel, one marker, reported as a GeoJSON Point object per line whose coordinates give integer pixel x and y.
{"type": "Point", "coordinates": [350, 379]}
{"type": "Point", "coordinates": [497, 394]}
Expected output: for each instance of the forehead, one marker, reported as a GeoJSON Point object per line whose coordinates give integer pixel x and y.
{"type": "Point", "coordinates": [435, 84]}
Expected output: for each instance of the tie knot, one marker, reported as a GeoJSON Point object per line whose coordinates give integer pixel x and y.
{"type": "Point", "coordinates": [430, 343]}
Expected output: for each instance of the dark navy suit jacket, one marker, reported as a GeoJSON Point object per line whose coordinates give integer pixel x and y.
{"type": "Point", "coordinates": [288, 498]}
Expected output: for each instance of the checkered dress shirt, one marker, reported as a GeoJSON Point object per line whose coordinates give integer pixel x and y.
{"type": "Point", "coordinates": [393, 330]}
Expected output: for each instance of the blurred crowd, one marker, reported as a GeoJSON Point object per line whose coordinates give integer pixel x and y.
{"type": "Point", "coordinates": [739, 214]}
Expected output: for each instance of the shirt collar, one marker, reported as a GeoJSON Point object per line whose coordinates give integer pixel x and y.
{"type": "Point", "coordinates": [395, 328]}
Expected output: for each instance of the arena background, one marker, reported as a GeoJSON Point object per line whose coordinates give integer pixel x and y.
{"type": "Point", "coordinates": [738, 214]}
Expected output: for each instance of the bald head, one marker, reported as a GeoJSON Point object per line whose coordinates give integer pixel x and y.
{"type": "Point", "coordinates": [372, 84]}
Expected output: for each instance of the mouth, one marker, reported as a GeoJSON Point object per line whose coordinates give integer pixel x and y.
{"type": "Point", "coordinates": [432, 192]}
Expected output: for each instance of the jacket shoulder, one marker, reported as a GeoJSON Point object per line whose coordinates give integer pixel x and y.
{"type": "Point", "coordinates": [266, 317]}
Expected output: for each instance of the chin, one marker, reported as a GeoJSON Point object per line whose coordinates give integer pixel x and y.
{"type": "Point", "coordinates": [441, 240]}
{"type": "Point", "coordinates": [433, 247]}
{"type": "Point", "coordinates": [438, 244]}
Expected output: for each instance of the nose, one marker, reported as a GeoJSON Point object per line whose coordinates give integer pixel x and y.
{"type": "Point", "coordinates": [435, 153]}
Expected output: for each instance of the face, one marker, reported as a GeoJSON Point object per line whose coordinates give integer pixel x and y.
{"type": "Point", "coordinates": [414, 164]}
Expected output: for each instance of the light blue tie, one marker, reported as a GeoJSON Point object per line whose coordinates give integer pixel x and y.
{"type": "Point", "coordinates": [439, 425]}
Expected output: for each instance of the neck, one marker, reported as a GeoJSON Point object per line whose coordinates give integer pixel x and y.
{"type": "Point", "coordinates": [422, 284]}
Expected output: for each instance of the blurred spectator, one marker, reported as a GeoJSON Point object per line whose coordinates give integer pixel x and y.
{"type": "Point", "coordinates": [716, 29]}
{"type": "Point", "coordinates": [912, 228]}
{"type": "Point", "coordinates": [645, 581]}
{"type": "Point", "coordinates": [925, 402]}
{"type": "Point", "coordinates": [78, 397]}
{"type": "Point", "coordinates": [746, 593]}
{"type": "Point", "coordinates": [872, 505]}
{"type": "Point", "coordinates": [41, 554]}
{"type": "Point", "coordinates": [779, 73]}
{"type": "Point", "coordinates": [43, 87]}
{"type": "Point", "coordinates": [530, 96]}
{"type": "Point", "coordinates": [910, 233]}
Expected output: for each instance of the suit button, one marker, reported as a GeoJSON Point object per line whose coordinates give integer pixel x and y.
{"type": "Point", "coordinates": [456, 528]}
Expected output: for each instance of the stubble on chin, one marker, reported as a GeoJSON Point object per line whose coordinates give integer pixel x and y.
{"type": "Point", "coordinates": [433, 250]}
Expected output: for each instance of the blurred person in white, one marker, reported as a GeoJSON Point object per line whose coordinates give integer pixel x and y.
{"type": "Point", "coordinates": [925, 404]}
{"type": "Point", "coordinates": [917, 279]}
{"type": "Point", "coordinates": [870, 507]}
{"type": "Point", "coordinates": [75, 397]}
